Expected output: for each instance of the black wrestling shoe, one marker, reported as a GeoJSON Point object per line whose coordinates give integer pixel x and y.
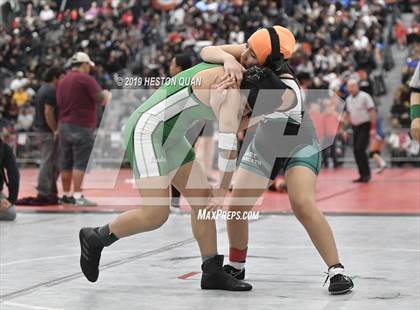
{"type": "Point", "coordinates": [90, 255]}
{"type": "Point", "coordinates": [236, 273]}
{"type": "Point", "coordinates": [340, 283]}
{"type": "Point", "coordinates": [67, 200]}
{"type": "Point", "coordinates": [214, 278]}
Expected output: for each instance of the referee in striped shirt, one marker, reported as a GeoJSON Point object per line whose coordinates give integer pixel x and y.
{"type": "Point", "coordinates": [360, 111]}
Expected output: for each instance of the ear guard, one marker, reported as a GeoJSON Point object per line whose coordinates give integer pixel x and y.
{"type": "Point", "coordinates": [275, 60]}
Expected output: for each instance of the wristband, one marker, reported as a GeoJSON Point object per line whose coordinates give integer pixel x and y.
{"type": "Point", "coordinates": [226, 165]}
{"type": "Point", "coordinates": [228, 141]}
{"type": "Point", "coordinates": [415, 111]}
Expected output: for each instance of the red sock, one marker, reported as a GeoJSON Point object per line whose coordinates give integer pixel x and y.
{"type": "Point", "coordinates": [237, 255]}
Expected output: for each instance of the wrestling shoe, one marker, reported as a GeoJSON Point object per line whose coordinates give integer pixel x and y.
{"type": "Point", "coordinates": [215, 278]}
{"type": "Point", "coordinates": [90, 255]}
{"type": "Point", "coordinates": [8, 214]}
{"type": "Point", "coordinates": [236, 273]}
{"type": "Point", "coordinates": [381, 168]}
{"type": "Point", "coordinates": [340, 283]}
{"type": "Point", "coordinates": [67, 200]}
{"type": "Point", "coordinates": [83, 202]}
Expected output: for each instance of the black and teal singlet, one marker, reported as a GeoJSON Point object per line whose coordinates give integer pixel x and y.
{"type": "Point", "coordinates": [283, 140]}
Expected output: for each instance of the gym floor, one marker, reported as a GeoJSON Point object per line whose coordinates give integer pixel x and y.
{"type": "Point", "coordinates": [378, 240]}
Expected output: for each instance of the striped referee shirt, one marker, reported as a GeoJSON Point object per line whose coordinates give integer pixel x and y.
{"type": "Point", "coordinates": [358, 107]}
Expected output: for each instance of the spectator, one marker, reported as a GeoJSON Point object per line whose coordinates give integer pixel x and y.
{"type": "Point", "coordinates": [207, 5]}
{"type": "Point", "coordinates": [92, 12]}
{"type": "Point", "coordinates": [20, 97]}
{"type": "Point", "coordinates": [179, 63]}
{"type": "Point", "coordinates": [236, 36]}
{"type": "Point", "coordinates": [46, 125]}
{"type": "Point", "coordinates": [361, 41]}
{"type": "Point", "coordinates": [360, 110]}
{"type": "Point", "coordinates": [12, 112]}
{"type": "Point", "coordinates": [77, 97]}
{"type": "Point", "coordinates": [25, 119]}
{"type": "Point", "coordinates": [365, 82]}
{"type": "Point", "coordinates": [400, 110]}
{"type": "Point", "coordinates": [400, 34]}
{"type": "Point", "coordinates": [19, 82]}
{"type": "Point", "coordinates": [399, 143]}
{"type": "Point", "coordinates": [11, 178]}
{"type": "Point", "coordinates": [47, 14]}
{"type": "Point", "coordinates": [376, 145]}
